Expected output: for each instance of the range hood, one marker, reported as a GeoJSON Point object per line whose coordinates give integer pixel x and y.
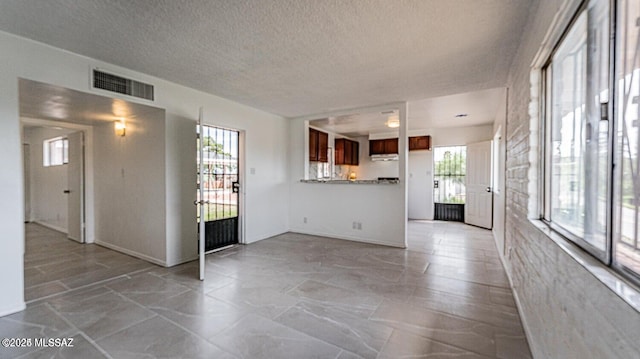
{"type": "Point", "coordinates": [387, 157]}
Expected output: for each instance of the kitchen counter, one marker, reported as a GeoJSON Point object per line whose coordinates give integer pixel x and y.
{"type": "Point", "coordinates": [338, 181]}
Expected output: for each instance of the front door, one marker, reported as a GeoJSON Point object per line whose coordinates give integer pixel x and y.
{"type": "Point", "coordinates": [479, 200]}
{"type": "Point", "coordinates": [219, 186]}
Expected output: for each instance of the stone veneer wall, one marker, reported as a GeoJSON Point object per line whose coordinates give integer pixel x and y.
{"type": "Point", "coordinates": [568, 313]}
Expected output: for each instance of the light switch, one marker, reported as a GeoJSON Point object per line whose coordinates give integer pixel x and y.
{"type": "Point", "coordinates": [252, 170]}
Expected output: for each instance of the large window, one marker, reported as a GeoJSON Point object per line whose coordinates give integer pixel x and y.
{"type": "Point", "coordinates": [587, 131]}
{"type": "Point", "coordinates": [55, 152]}
{"type": "Point", "coordinates": [627, 195]}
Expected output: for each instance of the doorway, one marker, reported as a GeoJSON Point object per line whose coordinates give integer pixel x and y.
{"type": "Point", "coordinates": [449, 182]}
{"type": "Point", "coordinates": [219, 186]}
{"type": "Point", "coordinates": [54, 165]}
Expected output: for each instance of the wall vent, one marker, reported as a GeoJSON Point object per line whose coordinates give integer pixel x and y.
{"type": "Point", "coordinates": [122, 85]}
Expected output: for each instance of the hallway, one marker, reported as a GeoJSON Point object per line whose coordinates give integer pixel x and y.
{"type": "Point", "coordinates": [291, 296]}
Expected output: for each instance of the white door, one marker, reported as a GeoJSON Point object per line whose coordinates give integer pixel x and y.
{"type": "Point", "coordinates": [200, 200]}
{"type": "Point", "coordinates": [27, 182]}
{"type": "Point", "coordinates": [75, 186]}
{"type": "Point", "coordinates": [478, 208]}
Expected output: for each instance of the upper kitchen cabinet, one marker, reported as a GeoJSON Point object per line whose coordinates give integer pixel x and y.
{"type": "Point", "coordinates": [386, 146]}
{"type": "Point", "coordinates": [419, 143]}
{"type": "Point", "coordinates": [318, 146]}
{"type": "Point", "coordinates": [347, 152]}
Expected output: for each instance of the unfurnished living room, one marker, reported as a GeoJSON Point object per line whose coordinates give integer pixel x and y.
{"type": "Point", "coordinates": [320, 179]}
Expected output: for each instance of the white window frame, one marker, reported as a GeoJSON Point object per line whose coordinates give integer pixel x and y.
{"type": "Point", "coordinates": [48, 156]}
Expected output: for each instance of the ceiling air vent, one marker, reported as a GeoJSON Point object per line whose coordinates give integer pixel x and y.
{"type": "Point", "coordinates": [114, 83]}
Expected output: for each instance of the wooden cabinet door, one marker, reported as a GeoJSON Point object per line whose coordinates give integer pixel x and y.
{"type": "Point", "coordinates": [313, 144]}
{"type": "Point", "coordinates": [419, 143]}
{"type": "Point", "coordinates": [338, 149]}
{"type": "Point", "coordinates": [323, 147]}
{"type": "Point", "coordinates": [348, 152]}
{"type": "Point", "coordinates": [391, 146]}
{"type": "Point", "coordinates": [355, 153]}
{"type": "Point", "coordinates": [376, 147]}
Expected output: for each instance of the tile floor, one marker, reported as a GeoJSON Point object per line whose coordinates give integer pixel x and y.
{"type": "Point", "coordinates": [291, 296]}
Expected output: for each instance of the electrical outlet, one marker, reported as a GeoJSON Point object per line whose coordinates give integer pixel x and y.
{"type": "Point", "coordinates": [354, 225]}
{"type": "Point", "coordinates": [304, 220]}
{"type": "Point", "coordinates": [360, 225]}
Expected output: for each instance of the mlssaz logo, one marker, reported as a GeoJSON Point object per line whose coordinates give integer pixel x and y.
{"type": "Point", "coordinates": [54, 342]}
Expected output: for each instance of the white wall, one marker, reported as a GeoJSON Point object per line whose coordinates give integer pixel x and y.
{"type": "Point", "coordinates": [421, 164]}
{"type": "Point", "coordinates": [48, 202]}
{"type": "Point", "coordinates": [421, 184]}
{"type": "Point", "coordinates": [130, 187]}
{"type": "Point", "coordinates": [266, 190]}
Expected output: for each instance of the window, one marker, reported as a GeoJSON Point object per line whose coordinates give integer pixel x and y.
{"type": "Point", "coordinates": [449, 174]}
{"type": "Point", "coordinates": [55, 152]}
{"type": "Point", "coordinates": [626, 251]}
{"type": "Point", "coordinates": [586, 198]}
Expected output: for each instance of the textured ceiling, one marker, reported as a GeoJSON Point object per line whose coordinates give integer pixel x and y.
{"type": "Point", "coordinates": [290, 57]}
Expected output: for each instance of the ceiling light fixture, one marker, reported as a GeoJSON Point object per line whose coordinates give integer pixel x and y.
{"type": "Point", "coordinates": [393, 121]}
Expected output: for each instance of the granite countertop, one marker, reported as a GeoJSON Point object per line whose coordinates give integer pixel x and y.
{"type": "Point", "coordinates": [339, 181]}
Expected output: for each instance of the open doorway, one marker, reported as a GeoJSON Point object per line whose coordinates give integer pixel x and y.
{"type": "Point", "coordinates": [89, 223]}
{"type": "Point", "coordinates": [54, 163]}
{"type": "Point", "coordinates": [449, 180]}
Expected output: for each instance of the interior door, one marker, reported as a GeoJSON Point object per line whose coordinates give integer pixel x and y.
{"type": "Point", "coordinates": [479, 200]}
{"type": "Point", "coordinates": [26, 157]}
{"type": "Point", "coordinates": [200, 198]}
{"type": "Point", "coordinates": [75, 186]}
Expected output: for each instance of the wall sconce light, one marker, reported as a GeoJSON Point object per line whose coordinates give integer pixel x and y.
{"type": "Point", "coordinates": [120, 127]}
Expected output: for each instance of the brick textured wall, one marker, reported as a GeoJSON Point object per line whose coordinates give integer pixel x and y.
{"type": "Point", "coordinates": [568, 312]}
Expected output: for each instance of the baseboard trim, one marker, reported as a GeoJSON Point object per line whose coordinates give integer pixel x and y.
{"type": "Point", "coordinates": [131, 253]}
{"type": "Point", "coordinates": [13, 310]}
{"type": "Point", "coordinates": [348, 238]}
{"type": "Point", "coordinates": [263, 237]}
{"type": "Point", "coordinates": [523, 318]}
{"type": "Point", "coordinates": [182, 261]}
{"type": "Point", "coordinates": [51, 226]}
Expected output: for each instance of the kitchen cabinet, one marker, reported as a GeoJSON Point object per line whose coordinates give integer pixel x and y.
{"type": "Point", "coordinates": [318, 146]}
{"type": "Point", "coordinates": [347, 152]}
{"type": "Point", "coordinates": [323, 146]}
{"type": "Point", "coordinates": [386, 146]}
{"type": "Point", "coordinates": [391, 146]}
{"type": "Point", "coordinates": [419, 143]}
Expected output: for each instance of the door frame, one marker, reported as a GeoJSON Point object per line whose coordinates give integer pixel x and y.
{"type": "Point", "coordinates": [89, 197]}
